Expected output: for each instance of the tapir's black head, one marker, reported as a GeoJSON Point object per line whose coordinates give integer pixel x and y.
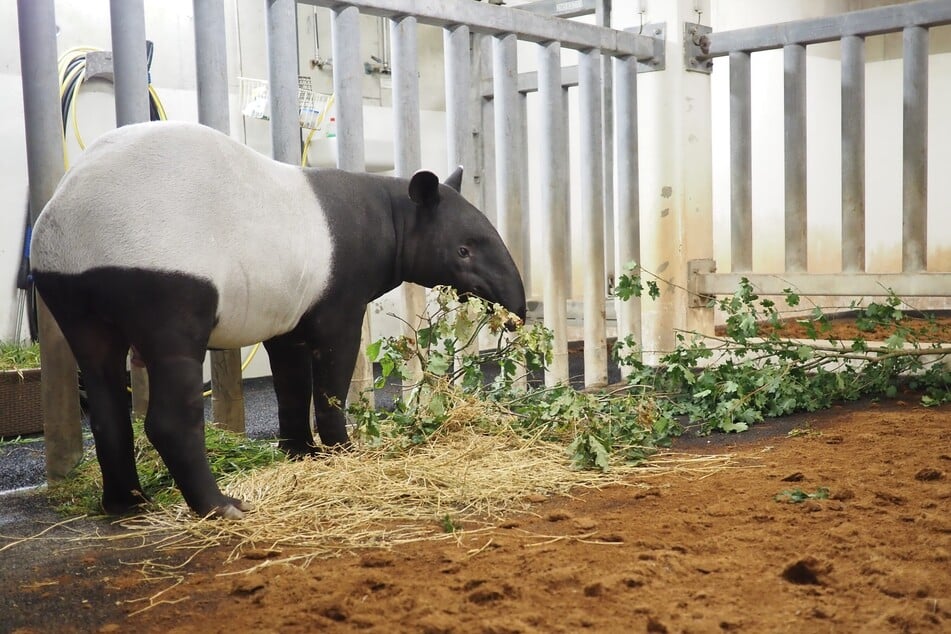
{"type": "Point", "coordinates": [454, 244]}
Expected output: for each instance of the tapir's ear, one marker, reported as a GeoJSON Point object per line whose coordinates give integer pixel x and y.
{"type": "Point", "coordinates": [424, 188]}
{"type": "Point", "coordinates": [455, 179]}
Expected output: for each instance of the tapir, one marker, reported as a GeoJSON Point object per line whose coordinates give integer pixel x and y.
{"type": "Point", "coordinates": [173, 238]}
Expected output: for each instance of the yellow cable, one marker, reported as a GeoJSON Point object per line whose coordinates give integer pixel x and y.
{"type": "Point", "coordinates": [158, 103]}
{"type": "Point", "coordinates": [244, 365]}
{"type": "Point", "coordinates": [320, 120]}
{"type": "Point", "coordinates": [72, 110]}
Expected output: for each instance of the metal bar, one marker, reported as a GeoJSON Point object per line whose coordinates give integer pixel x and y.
{"type": "Point", "coordinates": [457, 67]}
{"type": "Point", "coordinates": [131, 83]}
{"type": "Point", "coordinates": [211, 64]}
{"type": "Point", "coordinates": [211, 68]}
{"type": "Point", "coordinates": [830, 284]}
{"type": "Point", "coordinates": [564, 181]}
{"type": "Point", "coordinates": [528, 81]}
{"type": "Point", "coordinates": [508, 150]}
{"type": "Point", "coordinates": [59, 392]}
{"type": "Point", "coordinates": [406, 146]}
{"type": "Point", "coordinates": [282, 80]}
{"type": "Point", "coordinates": [130, 62]}
{"type": "Point", "coordinates": [741, 163]}
{"type": "Point", "coordinates": [554, 206]}
{"type": "Point", "coordinates": [603, 12]}
{"type": "Point", "coordinates": [853, 153]}
{"type": "Point", "coordinates": [794, 115]}
{"type": "Point", "coordinates": [926, 13]}
{"type": "Point", "coordinates": [523, 172]}
{"type": "Point", "coordinates": [480, 65]}
{"type": "Point", "coordinates": [348, 88]}
{"type": "Point", "coordinates": [915, 151]}
{"type": "Point", "coordinates": [626, 175]}
{"type": "Point", "coordinates": [560, 8]}
{"type": "Point", "coordinates": [495, 20]}
{"type": "Point", "coordinates": [592, 214]}
{"type": "Point", "coordinates": [351, 154]}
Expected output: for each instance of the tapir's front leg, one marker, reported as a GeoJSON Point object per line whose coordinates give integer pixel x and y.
{"type": "Point", "coordinates": [290, 366]}
{"type": "Point", "coordinates": [334, 357]}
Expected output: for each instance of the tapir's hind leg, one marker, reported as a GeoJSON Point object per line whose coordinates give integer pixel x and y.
{"type": "Point", "coordinates": [175, 426]}
{"type": "Point", "coordinates": [100, 352]}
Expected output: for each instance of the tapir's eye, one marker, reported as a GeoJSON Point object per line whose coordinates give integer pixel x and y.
{"type": "Point", "coordinates": [463, 252]}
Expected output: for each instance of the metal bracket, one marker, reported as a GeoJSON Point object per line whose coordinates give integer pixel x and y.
{"type": "Point", "coordinates": [99, 65]}
{"type": "Point", "coordinates": [697, 47]}
{"type": "Point", "coordinates": [657, 31]}
{"type": "Point", "coordinates": [696, 269]}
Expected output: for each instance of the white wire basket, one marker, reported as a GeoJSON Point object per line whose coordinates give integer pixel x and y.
{"type": "Point", "coordinates": [312, 106]}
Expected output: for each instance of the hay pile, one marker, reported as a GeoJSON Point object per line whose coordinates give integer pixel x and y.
{"type": "Point", "coordinates": [374, 497]}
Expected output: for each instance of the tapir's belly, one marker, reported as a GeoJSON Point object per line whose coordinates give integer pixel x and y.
{"type": "Point", "coordinates": [253, 228]}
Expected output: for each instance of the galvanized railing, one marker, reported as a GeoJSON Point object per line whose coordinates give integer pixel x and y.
{"type": "Point", "coordinates": [461, 20]}
{"type": "Point", "coordinates": [913, 20]}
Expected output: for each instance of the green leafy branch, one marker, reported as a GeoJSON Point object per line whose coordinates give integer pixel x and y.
{"type": "Point", "coordinates": [750, 373]}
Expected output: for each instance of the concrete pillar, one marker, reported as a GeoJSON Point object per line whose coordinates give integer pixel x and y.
{"type": "Point", "coordinates": [676, 181]}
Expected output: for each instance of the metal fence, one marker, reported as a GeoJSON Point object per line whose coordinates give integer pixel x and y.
{"type": "Point", "coordinates": [913, 20]}
{"type": "Point", "coordinates": [466, 25]}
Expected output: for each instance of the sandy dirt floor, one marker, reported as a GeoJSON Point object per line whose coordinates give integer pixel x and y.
{"type": "Point", "coordinates": [672, 553]}
{"type": "Point", "coordinates": [668, 554]}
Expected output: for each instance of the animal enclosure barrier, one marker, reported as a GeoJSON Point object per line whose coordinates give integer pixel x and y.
{"type": "Point", "coordinates": [913, 20]}
{"type": "Point", "coordinates": [485, 92]}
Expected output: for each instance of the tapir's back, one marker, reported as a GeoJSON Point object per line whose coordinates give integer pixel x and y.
{"type": "Point", "coordinates": [185, 199]}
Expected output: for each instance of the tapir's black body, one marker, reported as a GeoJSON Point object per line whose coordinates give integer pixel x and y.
{"type": "Point", "coordinates": [201, 265]}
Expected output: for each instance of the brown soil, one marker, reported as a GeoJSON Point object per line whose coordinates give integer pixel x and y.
{"type": "Point", "coordinates": [677, 553]}
{"type": "Point", "coordinates": [674, 554]}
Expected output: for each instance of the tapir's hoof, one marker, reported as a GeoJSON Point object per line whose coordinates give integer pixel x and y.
{"type": "Point", "coordinates": [125, 504]}
{"type": "Point", "coordinates": [233, 509]}
{"type": "Point", "coordinates": [297, 449]}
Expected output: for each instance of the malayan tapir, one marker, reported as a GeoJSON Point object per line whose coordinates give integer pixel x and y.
{"type": "Point", "coordinates": [174, 238]}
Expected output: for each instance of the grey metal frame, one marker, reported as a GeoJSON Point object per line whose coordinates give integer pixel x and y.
{"type": "Point", "coordinates": [913, 20]}
{"type": "Point", "coordinates": [466, 25]}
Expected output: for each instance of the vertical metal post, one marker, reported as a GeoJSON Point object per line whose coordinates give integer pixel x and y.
{"type": "Point", "coordinates": [130, 66]}
{"type": "Point", "coordinates": [457, 69]}
{"type": "Point", "coordinates": [794, 113]}
{"type": "Point", "coordinates": [853, 154]}
{"type": "Point", "coordinates": [130, 62]}
{"type": "Point", "coordinates": [508, 150]}
{"type": "Point", "coordinates": [59, 393]}
{"type": "Point", "coordinates": [564, 180]}
{"type": "Point", "coordinates": [211, 69]}
{"type": "Point", "coordinates": [602, 13]}
{"type": "Point", "coordinates": [915, 150]}
{"type": "Point", "coordinates": [554, 205]}
{"type": "Point", "coordinates": [348, 88]}
{"type": "Point", "coordinates": [407, 151]}
{"type": "Point", "coordinates": [627, 205]}
{"type": "Point", "coordinates": [592, 214]}
{"type": "Point", "coordinates": [741, 163]}
{"type": "Point", "coordinates": [211, 64]}
{"type": "Point", "coordinates": [523, 174]}
{"type": "Point", "coordinates": [282, 70]}
{"type": "Point", "coordinates": [348, 91]}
